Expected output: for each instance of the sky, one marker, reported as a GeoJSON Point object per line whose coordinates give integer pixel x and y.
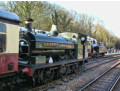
{"type": "Point", "coordinates": [107, 11]}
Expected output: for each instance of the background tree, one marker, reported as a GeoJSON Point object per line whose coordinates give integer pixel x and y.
{"type": "Point", "coordinates": [45, 14]}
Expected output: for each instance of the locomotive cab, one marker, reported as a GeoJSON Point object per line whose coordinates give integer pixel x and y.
{"type": "Point", "coordinates": [79, 40]}
{"type": "Point", "coordinates": [102, 48]}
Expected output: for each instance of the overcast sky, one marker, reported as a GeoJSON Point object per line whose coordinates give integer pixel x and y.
{"type": "Point", "coordinates": [108, 11]}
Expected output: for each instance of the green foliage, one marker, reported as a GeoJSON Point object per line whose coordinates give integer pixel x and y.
{"type": "Point", "coordinates": [117, 44]}
{"type": "Point", "coordinates": [45, 14]}
{"type": "Point", "coordinates": [38, 11]}
{"type": "Point", "coordinates": [65, 22]}
{"type": "Point", "coordinates": [55, 17]}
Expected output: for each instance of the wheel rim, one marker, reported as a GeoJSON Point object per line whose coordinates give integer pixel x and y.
{"type": "Point", "coordinates": [45, 76]}
{"type": "Point", "coordinates": [76, 67]}
{"type": "Point", "coordinates": [62, 71]}
{"type": "Point", "coordinates": [73, 68]}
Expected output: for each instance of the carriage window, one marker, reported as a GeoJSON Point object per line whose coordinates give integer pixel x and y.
{"type": "Point", "coordinates": [2, 37]}
{"type": "Point", "coordinates": [2, 28]}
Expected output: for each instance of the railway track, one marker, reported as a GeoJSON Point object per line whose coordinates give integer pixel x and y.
{"type": "Point", "coordinates": [100, 60]}
{"type": "Point", "coordinates": [115, 83]}
{"type": "Point", "coordinates": [83, 68]}
{"type": "Point", "coordinates": [105, 81]}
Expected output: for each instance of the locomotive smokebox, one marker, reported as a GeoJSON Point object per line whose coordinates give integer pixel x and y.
{"type": "Point", "coordinates": [28, 24]}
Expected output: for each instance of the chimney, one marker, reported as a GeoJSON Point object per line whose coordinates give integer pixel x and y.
{"type": "Point", "coordinates": [28, 24]}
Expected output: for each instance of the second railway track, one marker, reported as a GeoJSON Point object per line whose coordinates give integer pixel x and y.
{"type": "Point", "coordinates": [105, 81]}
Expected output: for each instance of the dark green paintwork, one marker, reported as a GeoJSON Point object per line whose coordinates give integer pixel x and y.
{"type": "Point", "coordinates": [76, 39]}
{"type": "Point", "coordinates": [52, 39]}
{"type": "Point", "coordinates": [44, 45]}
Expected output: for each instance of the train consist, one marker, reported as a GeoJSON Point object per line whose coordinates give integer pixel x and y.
{"type": "Point", "coordinates": [40, 55]}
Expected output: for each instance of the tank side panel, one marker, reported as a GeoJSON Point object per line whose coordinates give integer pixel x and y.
{"type": "Point", "coordinates": [80, 49]}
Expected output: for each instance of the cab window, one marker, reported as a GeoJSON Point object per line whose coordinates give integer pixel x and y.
{"type": "Point", "coordinates": [2, 37]}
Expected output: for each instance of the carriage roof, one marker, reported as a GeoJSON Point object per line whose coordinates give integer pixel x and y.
{"type": "Point", "coordinates": [9, 16]}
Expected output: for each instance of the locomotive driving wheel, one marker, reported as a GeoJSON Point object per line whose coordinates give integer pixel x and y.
{"type": "Point", "coordinates": [45, 75]}
{"type": "Point", "coordinates": [75, 68]}
{"type": "Point", "coordinates": [62, 71]}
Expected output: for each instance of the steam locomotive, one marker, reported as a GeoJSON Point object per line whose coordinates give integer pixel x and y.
{"type": "Point", "coordinates": [42, 52]}
{"type": "Point", "coordinates": [96, 49]}
{"type": "Point", "coordinates": [38, 55]}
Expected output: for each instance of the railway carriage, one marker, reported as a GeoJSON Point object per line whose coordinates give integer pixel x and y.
{"type": "Point", "coordinates": [9, 37]}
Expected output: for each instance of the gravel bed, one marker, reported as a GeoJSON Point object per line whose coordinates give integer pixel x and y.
{"type": "Point", "coordinates": [74, 83]}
